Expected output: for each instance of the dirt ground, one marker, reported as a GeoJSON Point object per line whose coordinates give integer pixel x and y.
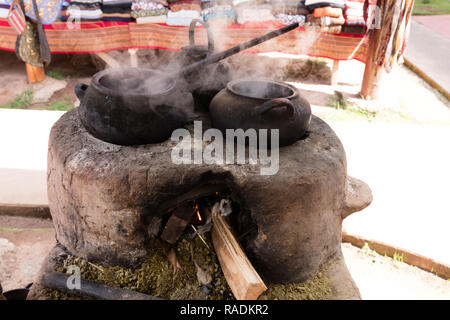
{"type": "Point", "coordinates": [24, 243]}
{"type": "Point", "coordinates": [404, 97]}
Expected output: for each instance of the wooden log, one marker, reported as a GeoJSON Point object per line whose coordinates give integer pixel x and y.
{"type": "Point", "coordinates": [244, 281]}
{"type": "Point", "coordinates": [177, 223]}
{"type": "Point", "coordinates": [35, 74]}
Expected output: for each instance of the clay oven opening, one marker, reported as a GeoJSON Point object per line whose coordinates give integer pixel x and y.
{"type": "Point", "coordinates": [211, 225]}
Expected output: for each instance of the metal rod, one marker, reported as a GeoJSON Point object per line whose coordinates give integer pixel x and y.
{"type": "Point", "coordinates": [236, 49]}
{"type": "Point", "coordinates": [91, 289]}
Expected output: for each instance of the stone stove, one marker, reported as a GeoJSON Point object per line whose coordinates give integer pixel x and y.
{"type": "Point", "coordinates": [102, 197]}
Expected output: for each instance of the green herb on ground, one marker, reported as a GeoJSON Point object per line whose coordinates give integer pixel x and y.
{"type": "Point", "coordinates": [21, 101]}
{"type": "Point", "coordinates": [55, 74]}
{"type": "Point", "coordinates": [317, 288]}
{"type": "Point", "coordinates": [338, 101]}
{"type": "Point", "coordinates": [155, 275]}
{"type": "Point", "coordinates": [398, 257]}
{"type": "Point", "coordinates": [60, 105]}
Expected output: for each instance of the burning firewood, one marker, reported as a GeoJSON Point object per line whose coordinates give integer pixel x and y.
{"type": "Point", "coordinates": [244, 281]}
{"type": "Point", "coordinates": [177, 223]}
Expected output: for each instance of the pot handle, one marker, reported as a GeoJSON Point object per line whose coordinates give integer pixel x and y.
{"type": "Point", "coordinates": [80, 90]}
{"type": "Point", "coordinates": [208, 33]}
{"type": "Point", "coordinates": [276, 103]}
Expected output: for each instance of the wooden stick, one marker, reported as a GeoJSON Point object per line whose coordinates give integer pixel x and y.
{"type": "Point", "coordinates": [242, 278]}
{"type": "Point", "coordinates": [177, 222]}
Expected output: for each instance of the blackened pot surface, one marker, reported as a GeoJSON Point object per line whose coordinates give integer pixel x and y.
{"type": "Point", "coordinates": [262, 104]}
{"type": "Point", "coordinates": [130, 106]}
{"type": "Point", "coordinates": [206, 82]}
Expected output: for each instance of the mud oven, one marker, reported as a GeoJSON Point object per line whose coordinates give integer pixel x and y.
{"type": "Point", "coordinates": [138, 224]}
{"type": "Point", "coordinates": [105, 198]}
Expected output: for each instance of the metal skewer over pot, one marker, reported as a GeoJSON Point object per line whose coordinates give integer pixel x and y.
{"type": "Point", "coordinates": [236, 49]}
{"type": "Point", "coordinates": [130, 106]}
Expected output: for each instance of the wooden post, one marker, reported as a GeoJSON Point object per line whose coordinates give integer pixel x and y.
{"type": "Point", "coordinates": [133, 57]}
{"type": "Point", "coordinates": [335, 73]}
{"type": "Point", "coordinates": [383, 42]}
{"type": "Point", "coordinates": [372, 71]}
{"type": "Point", "coordinates": [35, 74]}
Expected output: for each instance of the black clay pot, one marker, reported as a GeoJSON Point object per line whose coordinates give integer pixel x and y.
{"type": "Point", "coordinates": [204, 83]}
{"type": "Point", "coordinates": [130, 106]}
{"type": "Point", "coordinates": [262, 104]}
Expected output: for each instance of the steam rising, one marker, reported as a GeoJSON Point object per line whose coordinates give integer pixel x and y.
{"type": "Point", "coordinates": [241, 65]}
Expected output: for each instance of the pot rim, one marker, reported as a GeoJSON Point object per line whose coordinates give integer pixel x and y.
{"type": "Point", "coordinates": [95, 82]}
{"type": "Point", "coordinates": [282, 84]}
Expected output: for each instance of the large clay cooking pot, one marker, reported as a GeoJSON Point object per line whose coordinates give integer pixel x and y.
{"type": "Point", "coordinates": [262, 104]}
{"type": "Point", "coordinates": [130, 106]}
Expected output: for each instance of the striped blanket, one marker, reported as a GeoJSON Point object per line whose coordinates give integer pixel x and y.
{"type": "Point", "coordinates": [101, 36]}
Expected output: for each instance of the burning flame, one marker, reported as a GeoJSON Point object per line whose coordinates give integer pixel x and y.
{"type": "Point", "coordinates": [197, 211]}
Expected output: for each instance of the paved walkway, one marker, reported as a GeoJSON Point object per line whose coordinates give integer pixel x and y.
{"type": "Point", "coordinates": [439, 24]}
{"type": "Point", "coordinates": [429, 48]}
{"type": "Point", "coordinates": [406, 165]}
{"type": "Point", "coordinates": [23, 160]}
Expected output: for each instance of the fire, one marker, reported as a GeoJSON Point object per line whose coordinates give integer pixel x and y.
{"type": "Point", "coordinates": [197, 211]}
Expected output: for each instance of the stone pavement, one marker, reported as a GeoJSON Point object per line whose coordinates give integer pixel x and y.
{"type": "Point", "coordinates": [23, 155]}
{"type": "Point", "coordinates": [439, 24]}
{"type": "Point", "coordinates": [428, 48]}
{"type": "Point", "coordinates": [406, 166]}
